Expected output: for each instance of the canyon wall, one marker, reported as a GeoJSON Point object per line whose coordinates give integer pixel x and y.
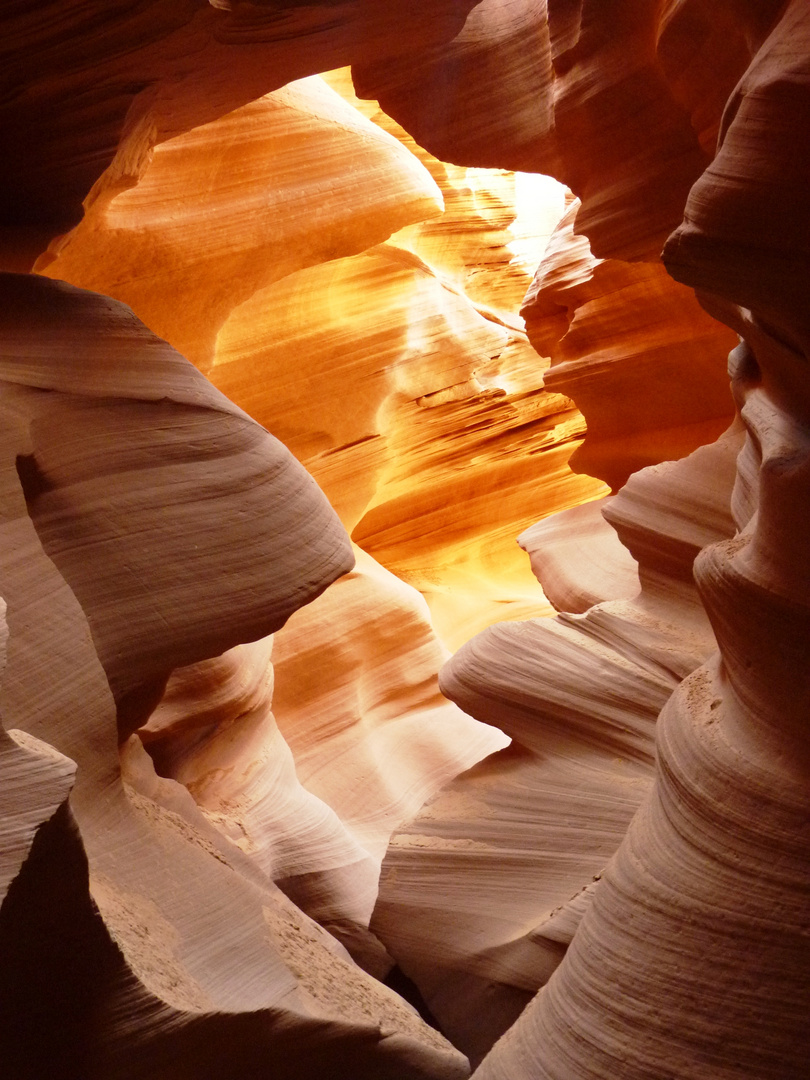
{"type": "Point", "coordinates": [244, 779]}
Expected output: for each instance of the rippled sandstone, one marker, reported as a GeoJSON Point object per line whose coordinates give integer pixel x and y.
{"type": "Point", "coordinates": [704, 905]}
{"type": "Point", "coordinates": [143, 878]}
{"type": "Point", "coordinates": [386, 374]}
{"type": "Point", "coordinates": [125, 502]}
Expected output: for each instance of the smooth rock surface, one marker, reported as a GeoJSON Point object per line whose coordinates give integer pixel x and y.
{"type": "Point", "coordinates": [579, 695]}
{"type": "Point", "coordinates": [224, 210]}
{"type": "Point", "coordinates": [704, 905]}
{"type": "Point", "coordinates": [199, 958]}
{"type": "Point", "coordinates": [630, 346]}
{"type": "Point", "coordinates": [96, 85]}
{"type": "Point", "coordinates": [306, 750]}
{"type": "Point", "coordinates": [446, 406]}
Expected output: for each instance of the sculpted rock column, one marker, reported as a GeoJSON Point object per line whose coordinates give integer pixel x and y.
{"type": "Point", "coordinates": [693, 960]}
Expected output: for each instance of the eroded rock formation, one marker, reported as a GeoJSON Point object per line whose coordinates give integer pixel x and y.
{"type": "Point", "coordinates": [423, 329]}
{"type": "Point", "coordinates": [579, 695]}
{"type": "Point", "coordinates": [704, 905]}
{"type": "Point", "coordinates": [162, 914]}
{"type": "Point", "coordinates": [630, 346]}
{"type": "Point", "coordinates": [92, 641]}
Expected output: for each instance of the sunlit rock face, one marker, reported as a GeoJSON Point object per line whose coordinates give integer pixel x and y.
{"type": "Point", "coordinates": [704, 904]}
{"type": "Point", "coordinates": [96, 84]}
{"type": "Point", "coordinates": [271, 739]}
{"type": "Point", "coordinates": [230, 207]}
{"type": "Point", "coordinates": [412, 396]}
{"type": "Point", "coordinates": [162, 913]}
{"type": "Point", "coordinates": [588, 105]}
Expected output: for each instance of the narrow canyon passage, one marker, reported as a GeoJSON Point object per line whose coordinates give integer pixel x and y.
{"type": "Point", "coordinates": [397, 595]}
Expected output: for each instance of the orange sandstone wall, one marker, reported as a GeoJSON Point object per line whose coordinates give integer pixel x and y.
{"type": "Point", "coordinates": [356, 295]}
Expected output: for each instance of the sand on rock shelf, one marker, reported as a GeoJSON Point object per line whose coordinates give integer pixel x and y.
{"type": "Point", "coordinates": [404, 636]}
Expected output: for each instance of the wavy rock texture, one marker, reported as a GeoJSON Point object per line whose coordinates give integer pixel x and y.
{"type": "Point", "coordinates": [188, 957]}
{"type": "Point", "coordinates": [363, 724]}
{"type": "Point", "coordinates": [630, 346]}
{"type": "Point", "coordinates": [443, 381]}
{"type": "Point", "coordinates": [118, 565]}
{"type": "Point", "coordinates": [588, 106]}
{"type": "Point", "coordinates": [478, 243]}
{"type": "Point", "coordinates": [34, 825]}
{"type": "Point", "coordinates": [440, 390]}
{"type": "Point", "coordinates": [36, 782]}
{"type": "Point", "coordinates": [111, 566]}
{"type": "Point", "coordinates": [579, 696]}
{"type": "Point", "coordinates": [214, 732]}
{"type": "Point", "coordinates": [704, 905]}
{"type": "Point", "coordinates": [626, 342]}
{"type": "Point", "coordinates": [492, 80]}
{"type": "Point", "coordinates": [358, 738]}
{"type": "Point", "coordinates": [579, 558]}
{"type": "Point", "coordinates": [92, 85]}
{"type": "Point", "coordinates": [236, 204]}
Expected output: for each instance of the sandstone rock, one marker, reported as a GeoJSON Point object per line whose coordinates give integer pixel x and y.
{"type": "Point", "coordinates": [579, 560]}
{"type": "Point", "coordinates": [495, 224]}
{"type": "Point", "coordinates": [200, 961]}
{"type": "Point", "coordinates": [183, 956]}
{"type": "Point", "coordinates": [85, 83]}
{"type": "Point", "coordinates": [587, 105]}
{"type": "Point", "coordinates": [381, 716]}
{"type": "Point", "coordinates": [358, 738]}
{"type": "Point", "coordinates": [234, 279]}
{"type": "Point", "coordinates": [36, 782]}
{"type": "Point", "coordinates": [703, 906]}
{"type": "Point", "coordinates": [629, 345]}
{"type": "Point", "coordinates": [579, 695]}
{"type": "Point", "coordinates": [492, 80]}
{"type": "Point", "coordinates": [222, 211]}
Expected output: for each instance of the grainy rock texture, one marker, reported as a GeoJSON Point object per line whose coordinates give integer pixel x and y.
{"type": "Point", "coordinates": [218, 739]}
{"type": "Point", "coordinates": [704, 905]}
{"type": "Point", "coordinates": [198, 958]}
{"type": "Point", "coordinates": [630, 346]}
{"type": "Point", "coordinates": [92, 83]}
{"type": "Point", "coordinates": [579, 695]}
{"type": "Point", "coordinates": [375, 334]}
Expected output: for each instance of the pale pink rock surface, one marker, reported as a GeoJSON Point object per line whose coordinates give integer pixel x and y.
{"type": "Point", "coordinates": [309, 748]}
{"type": "Point", "coordinates": [704, 907]}
{"type": "Point", "coordinates": [578, 558]}
{"type": "Point", "coordinates": [370, 731]}
{"type": "Point", "coordinates": [579, 695]}
{"type": "Point", "coordinates": [199, 958]}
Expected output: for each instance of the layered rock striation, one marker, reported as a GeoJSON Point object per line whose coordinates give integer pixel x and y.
{"type": "Point", "coordinates": [703, 904]}
{"type": "Point", "coordinates": [399, 284]}
{"type": "Point", "coordinates": [618, 893]}
{"type": "Point", "coordinates": [144, 877]}
{"type": "Point", "coordinates": [579, 695]}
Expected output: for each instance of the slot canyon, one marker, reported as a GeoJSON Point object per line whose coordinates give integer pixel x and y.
{"type": "Point", "coordinates": [405, 563]}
